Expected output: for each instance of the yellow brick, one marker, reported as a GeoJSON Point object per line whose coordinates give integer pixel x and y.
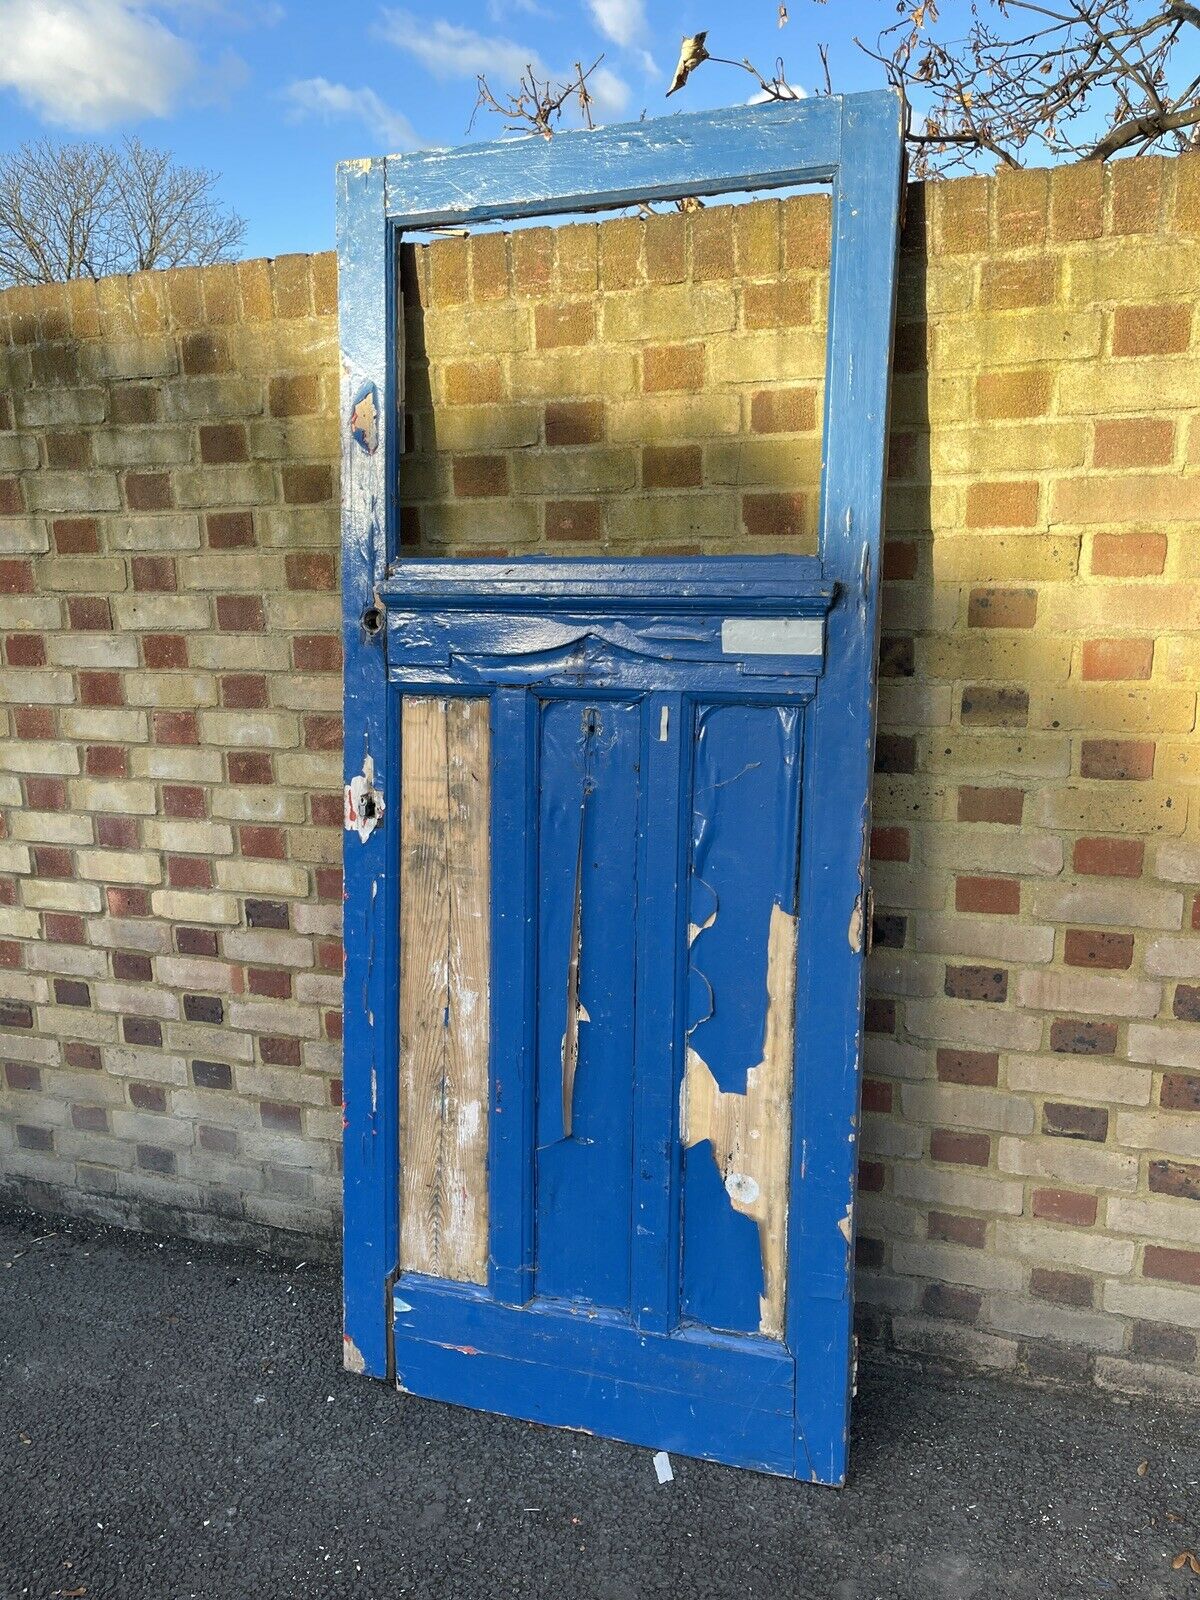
{"type": "Point", "coordinates": [568, 374]}
{"type": "Point", "coordinates": [1016, 338]}
{"type": "Point", "coordinates": [665, 315]}
{"type": "Point", "coordinates": [477, 331]}
{"type": "Point", "coordinates": [577, 267]}
{"type": "Point", "coordinates": [488, 427]}
{"type": "Point", "coordinates": [1151, 497]}
{"type": "Point", "coordinates": [1111, 709]}
{"type": "Point", "coordinates": [678, 518]}
{"type": "Point", "coordinates": [937, 289]}
{"type": "Point", "coordinates": [1129, 386]}
{"type": "Point", "coordinates": [468, 525]}
{"type": "Point", "coordinates": [1017, 447]}
{"type": "Point", "coordinates": [787, 356]}
{"type": "Point", "coordinates": [667, 418]}
{"type": "Point", "coordinates": [1141, 808]}
{"type": "Point", "coordinates": [1005, 558]}
{"type": "Point", "coordinates": [1097, 607]}
{"type": "Point", "coordinates": [1024, 658]}
{"type": "Point", "coordinates": [999, 756]}
{"type": "Point", "coordinates": [756, 239]}
{"type": "Point", "coordinates": [563, 473]}
{"type": "Point", "coordinates": [1130, 272]}
{"type": "Point", "coordinates": [776, 463]}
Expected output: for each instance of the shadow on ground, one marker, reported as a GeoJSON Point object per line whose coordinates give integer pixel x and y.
{"type": "Point", "coordinates": [174, 1423]}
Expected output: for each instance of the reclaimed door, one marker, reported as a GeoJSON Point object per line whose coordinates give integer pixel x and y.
{"type": "Point", "coordinates": [606, 918]}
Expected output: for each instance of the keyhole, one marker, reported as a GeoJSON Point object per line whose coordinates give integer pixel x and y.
{"type": "Point", "coordinates": [372, 620]}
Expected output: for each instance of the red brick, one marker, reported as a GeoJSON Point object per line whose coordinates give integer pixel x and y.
{"type": "Point", "coordinates": [1128, 555]}
{"type": "Point", "coordinates": [1002, 608]}
{"type": "Point", "coordinates": [307, 485]}
{"type": "Point", "coordinates": [322, 732]}
{"type": "Point", "coordinates": [1152, 330]}
{"type": "Point", "coordinates": [154, 574]}
{"type": "Point", "coordinates": [328, 881]}
{"type": "Point", "coordinates": [89, 613]}
{"type": "Point", "coordinates": [1180, 1092]}
{"type": "Point", "coordinates": [1064, 1288]}
{"type": "Point", "coordinates": [189, 872]}
{"type": "Point", "coordinates": [81, 1057]}
{"type": "Point", "coordinates": [992, 896]}
{"type": "Point", "coordinates": [968, 1066]}
{"type": "Point", "coordinates": [1005, 504]}
{"type": "Point", "coordinates": [311, 569]}
{"type": "Point", "coordinates": [977, 983]}
{"type": "Point", "coordinates": [164, 651]}
{"type": "Point", "coordinates": [1117, 659]}
{"type": "Point", "coordinates": [1091, 947]}
{"type": "Point", "coordinates": [223, 443]}
{"type": "Point", "coordinates": [244, 691]}
{"type": "Point", "coordinates": [478, 477]}
{"type": "Point", "coordinates": [963, 1149]}
{"type": "Point", "coordinates": [241, 613]}
{"type": "Point", "coordinates": [990, 805]}
{"type": "Point", "coordinates": [106, 761]}
{"type": "Point", "coordinates": [673, 366]}
{"type": "Point", "coordinates": [774, 516]}
{"type": "Point", "coordinates": [899, 559]}
{"type": "Point", "coordinates": [118, 833]}
{"type": "Point", "coordinates": [263, 843]}
{"type": "Point", "coordinates": [270, 982]}
{"type": "Point", "coordinates": [672, 466]}
{"type": "Point", "coordinates": [148, 491]}
{"type": "Point", "coordinates": [783, 410]}
{"type": "Point", "coordinates": [1186, 1004]}
{"type": "Point", "coordinates": [317, 652]}
{"type": "Point", "coordinates": [1178, 1178]}
{"type": "Point", "coordinates": [76, 536]}
{"type": "Point", "coordinates": [571, 422]}
{"type": "Point", "coordinates": [870, 1176]}
{"type": "Point", "coordinates": [1173, 1266]}
{"type": "Point", "coordinates": [572, 519]}
{"type": "Point", "coordinates": [326, 810]}
{"type": "Point", "coordinates": [229, 530]}
{"type": "Point", "coordinates": [1065, 1205]}
{"type": "Point", "coordinates": [250, 767]}
{"type": "Point", "coordinates": [279, 1052]}
{"type": "Point", "coordinates": [951, 1301]}
{"type": "Point", "coordinates": [12, 501]}
{"type": "Point", "coordinates": [45, 794]}
{"type": "Point", "coordinates": [187, 800]}
{"type": "Point", "coordinates": [1071, 1037]}
{"type": "Point", "coordinates": [876, 1095]}
{"type": "Point", "coordinates": [176, 727]}
{"type": "Point", "coordinates": [889, 844]}
{"type": "Point", "coordinates": [64, 927]}
{"type": "Point", "coordinates": [1109, 858]}
{"type": "Point", "coordinates": [971, 1231]}
{"type": "Point", "coordinates": [53, 861]}
{"type": "Point", "coordinates": [101, 689]}
{"type": "Point", "coordinates": [25, 650]}
{"type": "Point", "coordinates": [1134, 442]}
{"type": "Point", "coordinates": [1121, 759]}
{"type": "Point", "coordinates": [16, 575]}
{"type": "Point", "coordinates": [1075, 1122]}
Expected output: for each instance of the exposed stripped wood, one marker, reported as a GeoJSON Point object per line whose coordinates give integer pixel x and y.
{"type": "Point", "coordinates": [751, 1133]}
{"type": "Point", "coordinates": [444, 967]}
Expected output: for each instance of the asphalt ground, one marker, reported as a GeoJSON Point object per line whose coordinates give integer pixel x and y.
{"type": "Point", "coordinates": [175, 1422]}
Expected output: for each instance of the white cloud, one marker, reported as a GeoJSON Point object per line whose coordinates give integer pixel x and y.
{"type": "Point", "coordinates": [622, 21]}
{"type": "Point", "coordinates": [448, 50]}
{"type": "Point", "coordinates": [92, 63]}
{"type": "Point", "coordinates": [317, 97]}
{"type": "Point", "coordinates": [501, 10]}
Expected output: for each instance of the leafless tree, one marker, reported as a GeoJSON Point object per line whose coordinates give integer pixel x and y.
{"type": "Point", "coordinates": [536, 104]}
{"type": "Point", "coordinates": [87, 210]}
{"type": "Point", "coordinates": [1028, 81]}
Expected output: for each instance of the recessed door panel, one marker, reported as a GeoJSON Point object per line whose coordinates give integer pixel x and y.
{"type": "Point", "coordinates": [735, 1110]}
{"type": "Point", "coordinates": [588, 764]}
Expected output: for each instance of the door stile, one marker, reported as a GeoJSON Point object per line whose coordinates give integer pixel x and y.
{"type": "Point", "coordinates": [514, 918]}
{"type": "Point", "coordinates": [654, 1241]}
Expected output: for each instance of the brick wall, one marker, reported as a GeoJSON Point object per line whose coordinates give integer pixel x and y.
{"type": "Point", "coordinates": [169, 781]}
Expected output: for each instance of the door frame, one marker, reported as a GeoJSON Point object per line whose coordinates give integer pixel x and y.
{"type": "Point", "coordinates": [855, 145]}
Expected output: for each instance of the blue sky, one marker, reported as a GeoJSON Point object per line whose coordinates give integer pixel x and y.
{"type": "Point", "coordinates": [271, 93]}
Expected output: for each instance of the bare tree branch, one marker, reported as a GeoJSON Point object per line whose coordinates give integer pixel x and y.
{"type": "Point", "coordinates": [86, 210]}
{"type": "Point", "coordinates": [535, 106]}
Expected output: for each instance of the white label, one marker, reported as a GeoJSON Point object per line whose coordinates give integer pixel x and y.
{"type": "Point", "coordinates": [773, 636]}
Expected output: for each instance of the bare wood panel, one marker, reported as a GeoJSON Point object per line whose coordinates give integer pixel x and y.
{"type": "Point", "coordinates": [444, 970]}
{"type": "Point", "coordinates": [751, 1133]}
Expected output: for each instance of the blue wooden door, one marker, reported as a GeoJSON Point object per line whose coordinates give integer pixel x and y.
{"type": "Point", "coordinates": [606, 895]}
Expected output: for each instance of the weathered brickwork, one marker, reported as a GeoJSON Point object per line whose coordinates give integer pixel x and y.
{"type": "Point", "coordinates": [169, 779]}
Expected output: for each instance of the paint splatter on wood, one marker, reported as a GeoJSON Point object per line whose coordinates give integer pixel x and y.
{"type": "Point", "coordinates": [750, 1133]}
{"type": "Point", "coordinates": [444, 965]}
